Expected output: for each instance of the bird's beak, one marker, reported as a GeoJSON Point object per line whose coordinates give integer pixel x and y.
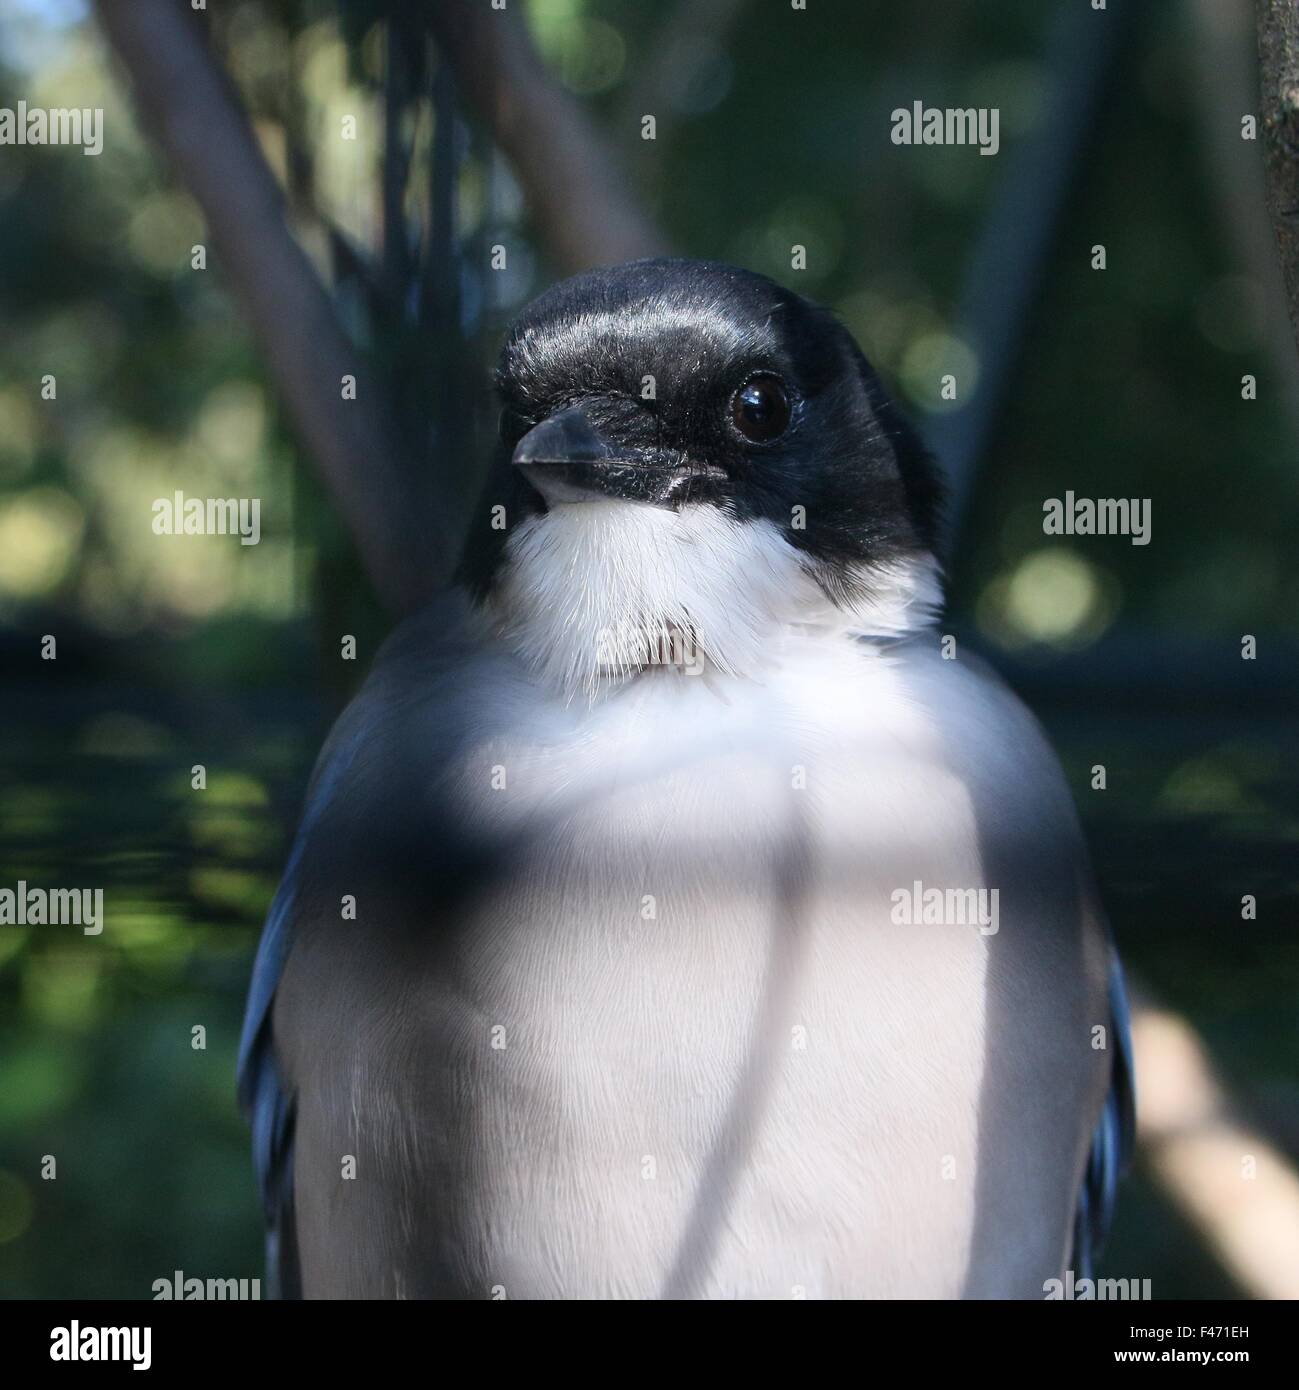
{"type": "Point", "coordinates": [566, 460]}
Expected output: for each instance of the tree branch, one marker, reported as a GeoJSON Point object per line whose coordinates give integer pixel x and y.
{"type": "Point", "coordinates": [586, 209]}
{"type": "Point", "coordinates": [1223, 64]}
{"type": "Point", "coordinates": [1278, 51]}
{"type": "Point", "coordinates": [190, 107]}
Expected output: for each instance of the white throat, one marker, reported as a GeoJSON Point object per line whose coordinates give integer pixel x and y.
{"type": "Point", "coordinates": [594, 593]}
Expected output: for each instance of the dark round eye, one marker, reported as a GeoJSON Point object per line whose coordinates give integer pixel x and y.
{"type": "Point", "coordinates": [760, 409]}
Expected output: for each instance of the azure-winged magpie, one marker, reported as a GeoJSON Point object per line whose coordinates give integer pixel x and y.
{"type": "Point", "coordinates": [669, 915]}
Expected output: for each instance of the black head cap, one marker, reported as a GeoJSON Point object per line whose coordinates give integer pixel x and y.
{"type": "Point", "coordinates": [688, 383]}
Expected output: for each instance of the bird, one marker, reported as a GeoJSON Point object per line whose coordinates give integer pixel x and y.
{"type": "Point", "coordinates": [676, 912]}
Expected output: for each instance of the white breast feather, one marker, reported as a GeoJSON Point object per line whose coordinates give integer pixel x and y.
{"type": "Point", "coordinates": [588, 588]}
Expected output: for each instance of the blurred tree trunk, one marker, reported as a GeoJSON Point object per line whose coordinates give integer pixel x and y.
{"type": "Point", "coordinates": [190, 107]}
{"type": "Point", "coordinates": [585, 207]}
{"type": "Point", "coordinates": [1278, 50]}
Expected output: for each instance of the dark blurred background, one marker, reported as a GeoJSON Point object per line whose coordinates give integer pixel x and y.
{"type": "Point", "coordinates": [773, 131]}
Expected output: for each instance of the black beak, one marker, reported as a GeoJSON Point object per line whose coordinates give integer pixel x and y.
{"type": "Point", "coordinates": [566, 460]}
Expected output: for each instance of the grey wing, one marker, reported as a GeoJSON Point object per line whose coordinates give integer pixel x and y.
{"type": "Point", "coordinates": [268, 1106]}
{"type": "Point", "coordinates": [1112, 1143]}
{"type": "Point", "coordinates": [415, 657]}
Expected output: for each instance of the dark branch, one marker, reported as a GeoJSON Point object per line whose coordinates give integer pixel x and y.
{"type": "Point", "coordinates": [1278, 51]}
{"type": "Point", "coordinates": [586, 210]}
{"type": "Point", "coordinates": [191, 109]}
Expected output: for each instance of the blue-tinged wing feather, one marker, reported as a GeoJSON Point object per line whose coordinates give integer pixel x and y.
{"type": "Point", "coordinates": [268, 1106]}
{"type": "Point", "coordinates": [1112, 1142]}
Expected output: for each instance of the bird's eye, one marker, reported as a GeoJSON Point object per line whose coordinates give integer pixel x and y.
{"type": "Point", "coordinates": [760, 409]}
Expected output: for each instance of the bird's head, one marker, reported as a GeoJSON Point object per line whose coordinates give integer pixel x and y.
{"type": "Point", "coordinates": [694, 458]}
